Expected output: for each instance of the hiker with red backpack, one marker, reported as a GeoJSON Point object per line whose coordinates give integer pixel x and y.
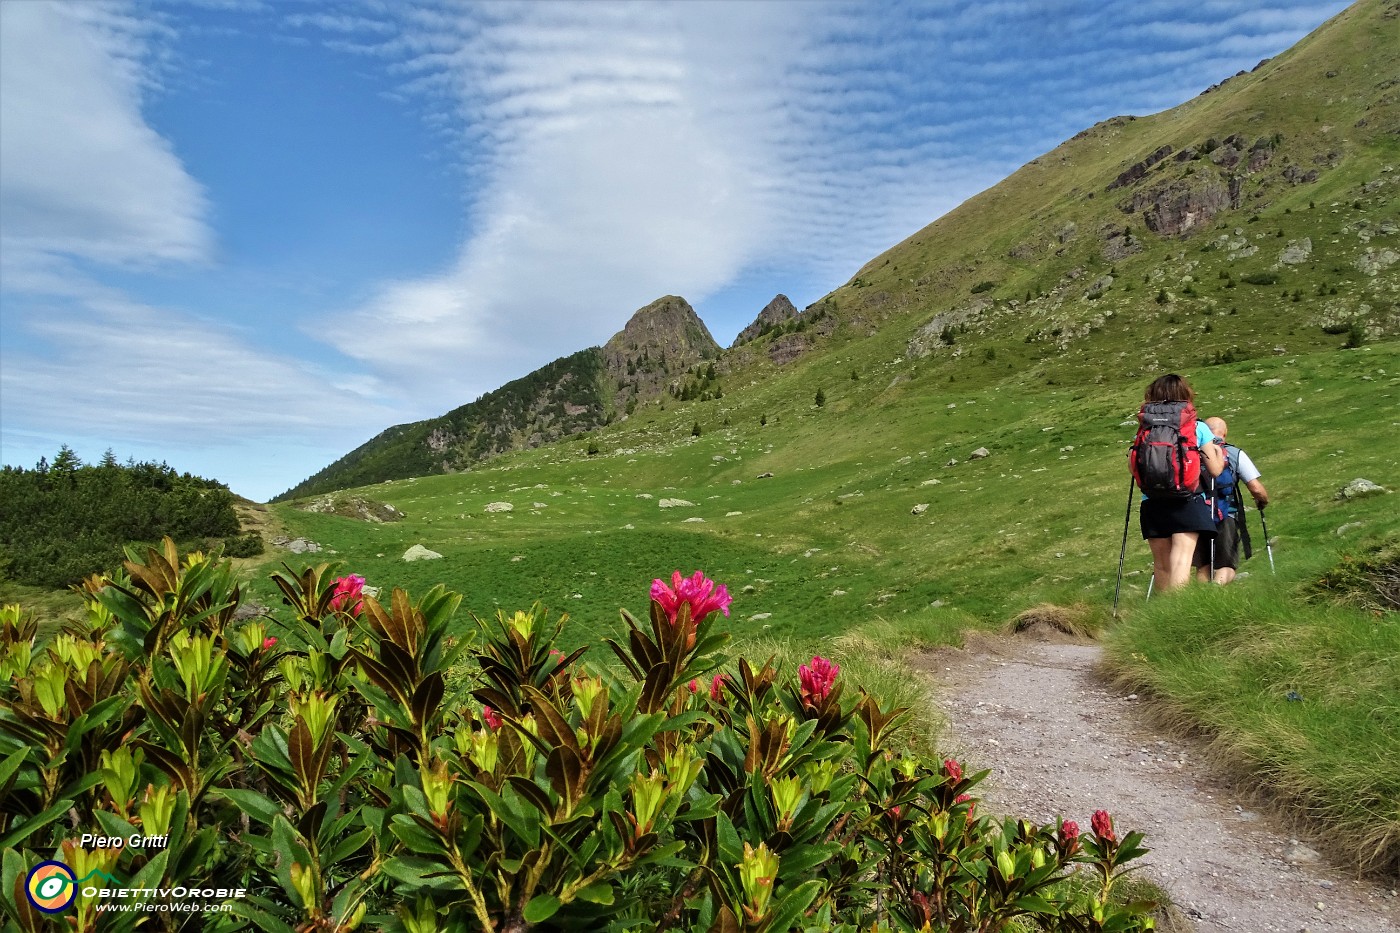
{"type": "Point", "coordinates": [1220, 561]}
{"type": "Point", "coordinates": [1169, 456]}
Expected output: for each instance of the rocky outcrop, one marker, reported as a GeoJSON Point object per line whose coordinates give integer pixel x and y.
{"type": "Point", "coordinates": [659, 342]}
{"type": "Point", "coordinates": [774, 314]}
{"type": "Point", "coordinates": [1178, 207]}
{"type": "Point", "coordinates": [1139, 169]}
{"type": "Point", "coordinates": [360, 508]}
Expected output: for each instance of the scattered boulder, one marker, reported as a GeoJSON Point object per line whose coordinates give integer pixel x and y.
{"type": "Point", "coordinates": [1296, 253]}
{"type": "Point", "coordinates": [932, 482]}
{"type": "Point", "coordinates": [674, 503]}
{"type": "Point", "coordinates": [1272, 382]}
{"type": "Point", "coordinates": [919, 509]}
{"type": "Point", "coordinates": [499, 507]}
{"type": "Point", "coordinates": [1349, 526]}
{"type": "Point", "coordinates": [1299, 854]}
{"type": "Point", "coordinates": [951, 463]}
{"type": "Point", "coordinates": [981, 453]}
{"type": "Point", "coordinates": [1360, 489]}
{"type": "Point", "coordinates": [301, 546]}
{"type": "Point", "coordinates": [765, 475]}
{"type": "Point", "coordinates": [419, 552]}
{"type": "Point", "coordinates": [248, 609]}
{"type": "Point", "coordinates": [1374, 262]}
{"type": "Point", "coordinates": [760, 616]}
{"type": "Point", "coordinates": [695, 518]}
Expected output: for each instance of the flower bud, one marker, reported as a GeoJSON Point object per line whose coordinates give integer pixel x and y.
{"type": "Point", "coordinates": [157, 807]}
{"type": "Point", "coordinates": [757, 872]}
{"type": "Point", "coordinates": [304, 882]}
{"type": "Point", "coordinates": [648, 794]}
{"type": "Point", "coordinates": [1102, 824]}
{"type": "Point", "coordinates": [787, 797]}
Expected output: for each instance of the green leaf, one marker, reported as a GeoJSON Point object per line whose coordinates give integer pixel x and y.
{"type": "Point", "coordinates": [260, 918]}
{"type": "Point", "coordinates": [541, 908]}
{"type": "Point", "coordinates": [792, 906]}
{"type": "Point", "coordinates": [35, 823]}
{"type": "Point", "coordinates": [10, 765]}
{"type": "Point", "coordinates": [800, 860]}
{"type": "Point", "coordinates": [256, 805]}
{"type": "Point", "coordinates": [731, 850]}
{"type": "Point", "coordinates": [600, 893]}
{"type": "Point", "coordinates": [420, 873]}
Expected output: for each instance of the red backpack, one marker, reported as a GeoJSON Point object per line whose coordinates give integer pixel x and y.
{"type": "Point", "coordinates": [1165, 459]}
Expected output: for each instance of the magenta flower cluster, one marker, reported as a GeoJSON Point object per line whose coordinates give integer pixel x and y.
{"type": "Point", "coordinates": [817, 679]}
{"type": "Point", "coordinates": [697, 591]}
{"type": "Point", "coordinates": [349, 594]}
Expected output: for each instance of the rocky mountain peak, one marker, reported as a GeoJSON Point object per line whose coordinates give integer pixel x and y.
{"type": "Point", "coordinates": [660, 340]}
{"type": "Point", "coordinates": [777, 311]}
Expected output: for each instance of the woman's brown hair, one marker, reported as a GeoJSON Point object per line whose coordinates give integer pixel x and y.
{"type": "Point", "coordinates": [1169, 388]}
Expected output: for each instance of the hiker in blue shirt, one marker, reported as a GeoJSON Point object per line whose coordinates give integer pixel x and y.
{"type": "Point", "coordinates": [1230, 529]}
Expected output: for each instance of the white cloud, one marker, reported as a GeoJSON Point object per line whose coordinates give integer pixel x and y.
{"type": "Point", "coordinates": [139, 374]}
{"type": "Point", "coordinates": [82, 175]}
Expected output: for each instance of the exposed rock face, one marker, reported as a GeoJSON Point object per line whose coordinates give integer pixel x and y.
{"type": "Point", "coordinates": [661, 340]}
{"type": "Point", "coordinates": [788, 347]}
{"type": "Point", "coordinates": [1139, 169]}
{"type": "Point", "coordinates": [1178, 207]}
{"type": "Point", "coordinates": [777, 311]}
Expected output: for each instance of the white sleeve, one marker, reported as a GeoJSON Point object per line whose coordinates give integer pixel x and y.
{"type": "Point", "coordinates": [1248, 472]}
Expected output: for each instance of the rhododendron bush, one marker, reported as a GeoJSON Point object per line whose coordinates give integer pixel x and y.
{"type": "Point", "coordinates": [360, 764]}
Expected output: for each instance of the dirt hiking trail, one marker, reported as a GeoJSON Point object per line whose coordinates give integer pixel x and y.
{"type": "Point", "coordinates": [1061, 740]}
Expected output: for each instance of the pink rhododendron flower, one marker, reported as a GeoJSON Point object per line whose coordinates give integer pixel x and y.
{"type": "Point", "coordinates": [268, 642]}
{"type": "Point", "coordinates": [817, 679]}
{"type": "Point", "coordinates": [952, 769]}
{"type": "Point", "coordinates": [349, 593]}
{"type": "Point", "coordinates": [694, 685]}
{"type": "Point", "coordinates": [971, 805]}
{"type": "Point", "coordinates": [492, 718]}
{"type": "Point", "coordinates": [717, 687]}
{"type": "Point", "coordinates": [696, 590]}
{"type": "Point", "coordinates": [1069, 836]}
{"type": "Point", "coordinates": [1102, 825]}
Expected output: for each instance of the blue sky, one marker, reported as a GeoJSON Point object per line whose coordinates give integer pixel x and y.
{"type": "Point", "coordinates": [245, 237]}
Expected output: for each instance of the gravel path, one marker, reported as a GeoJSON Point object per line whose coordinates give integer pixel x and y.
{"type": "Point", "coordinates": [1060, 740]}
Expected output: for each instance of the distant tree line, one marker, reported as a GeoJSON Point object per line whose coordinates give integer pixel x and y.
{"type": "Point", "coordinates": [62, 521]}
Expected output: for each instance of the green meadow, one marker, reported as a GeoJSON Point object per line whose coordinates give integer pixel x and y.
{"type": "Point", "coordinates": [830, 541]}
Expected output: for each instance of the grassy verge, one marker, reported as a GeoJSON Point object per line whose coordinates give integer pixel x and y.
{"type": "Point", "coordinates": [1299, 695]}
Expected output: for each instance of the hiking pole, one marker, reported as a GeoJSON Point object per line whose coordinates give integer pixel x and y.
{"type": "Point", "coordinates": [1268, 546]}
{"type": "Point", "coordinates": [1123, 551]}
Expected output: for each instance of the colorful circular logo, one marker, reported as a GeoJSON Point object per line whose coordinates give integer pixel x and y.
{"type": "Point", "coordinates": [51, 887]}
